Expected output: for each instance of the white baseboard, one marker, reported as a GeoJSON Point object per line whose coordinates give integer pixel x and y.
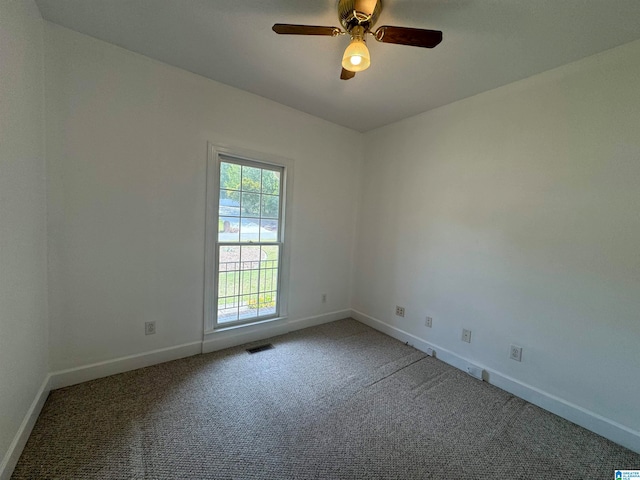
{"type": "Point", "coordinates": [318, 320]}
{"type": "Point", "coordinates": [12, 456]}
{"type": "Point", "coordinates": [215, 341]}
{"type": "Point", "coordinates": [72, 376]}
{"type": "Point", "coordinates": [238, 336]}
{"type": "Point", "coordinates": [592, 421]}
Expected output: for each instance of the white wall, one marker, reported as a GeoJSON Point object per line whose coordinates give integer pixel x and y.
{"type": "Point", "coordinates": [515, 214]}
{"type": "Point", "coordinates": [512, 213]}
{"type": "Point", "coordinates": [23, 264]}
{"type": "Point", "coordinates": [126, 152]}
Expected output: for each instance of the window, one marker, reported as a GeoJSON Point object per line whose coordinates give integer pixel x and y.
{"type": "Point", "coordinates": [245, 238]}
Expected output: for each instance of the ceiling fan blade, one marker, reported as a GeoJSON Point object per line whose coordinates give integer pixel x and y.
{"type": "Point", "coordinates": [346, 74]}
{"type": "Point", "coordinates": [416, 37]}
{"type": "Point", "coordinates": [289, 29]}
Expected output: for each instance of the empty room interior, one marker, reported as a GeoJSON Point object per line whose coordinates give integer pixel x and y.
{"type": "Point", "coordinates": [352, 239]}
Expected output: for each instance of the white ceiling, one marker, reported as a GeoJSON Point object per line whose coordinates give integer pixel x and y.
{"type": "Point", "coordinates": [487, 43]}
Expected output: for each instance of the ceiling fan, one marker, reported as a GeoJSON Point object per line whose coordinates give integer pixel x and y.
{"type": "Point", "coordinates": [358, 17]}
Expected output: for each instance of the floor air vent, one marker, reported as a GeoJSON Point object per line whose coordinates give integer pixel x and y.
{"type": "Point", "coordinates": [260, 348]}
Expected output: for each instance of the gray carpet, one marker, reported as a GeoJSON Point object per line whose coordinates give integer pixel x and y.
{"type": "Point", "coordinates": [338, 401]}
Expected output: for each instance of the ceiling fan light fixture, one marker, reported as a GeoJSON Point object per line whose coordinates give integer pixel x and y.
{"type": "Point", "coordinates": [358, 18]}
{"type": "Point", "coordinates": [356, 57]}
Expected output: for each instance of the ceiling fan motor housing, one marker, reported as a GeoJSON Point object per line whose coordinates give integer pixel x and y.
{"type": "Point", "coordinates": [363, 13]}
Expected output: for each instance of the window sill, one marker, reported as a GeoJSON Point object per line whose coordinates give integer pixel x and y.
{"type": "Point", "coordinates": [222, 329]}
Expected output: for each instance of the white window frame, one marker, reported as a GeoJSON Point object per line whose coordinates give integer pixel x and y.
{"type": "Point", "coordinates": [216, 154]}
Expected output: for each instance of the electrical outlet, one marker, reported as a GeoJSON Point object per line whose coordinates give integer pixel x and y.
{"type": "Point", "coordinates": [149, 328]}
{"type": "Point", "coordinates": [399, 311]}
{"type": "Point", "coordinates": [324, 298]}
{"type": "Point", "coordinates": [516, 353]}
{"type": "Point", "coordinates": [428, 322]}
{"type": "Point", "coordinates": [466, 335]}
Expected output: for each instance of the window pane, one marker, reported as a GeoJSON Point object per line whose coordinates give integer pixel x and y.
{"type": "Point", "coordinates": [249, 309]}
{"type": "Point", "coordinates": [269, 268]}
{"type": "Point", "coordinates": [229, 273]}
{"type": "Point", "coordinates": [268, 295]}
{"type": "Point", "coordinates": [268, 230]}
{"type": "Point", "coordinates": [270, 206]}
{"type": "Point", "coordinates": [271, 182]}
{"type": "Point", "coordinates": [227, 315]}
{"type": "Point", "coordinates": [229, 176]}
{"type": "Point", "coordinates": [229, 203]}
{"type": "Point", "coordinates": [267, 303]}
{"type": "Point", "coordinates": [228, 283]}
{"type": "Point", "coordinates": [250, 230]}
{"type": "Point", "coordinates": [251, 179]}
{"type": "Point", "coordinates": [228, 229]}
{"type": "Point", "coordinates": [247, 282]}
{"type": "Point", "coordinates": [248, 279]}
{"type": "Point", "coordinates": [250, 204]}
